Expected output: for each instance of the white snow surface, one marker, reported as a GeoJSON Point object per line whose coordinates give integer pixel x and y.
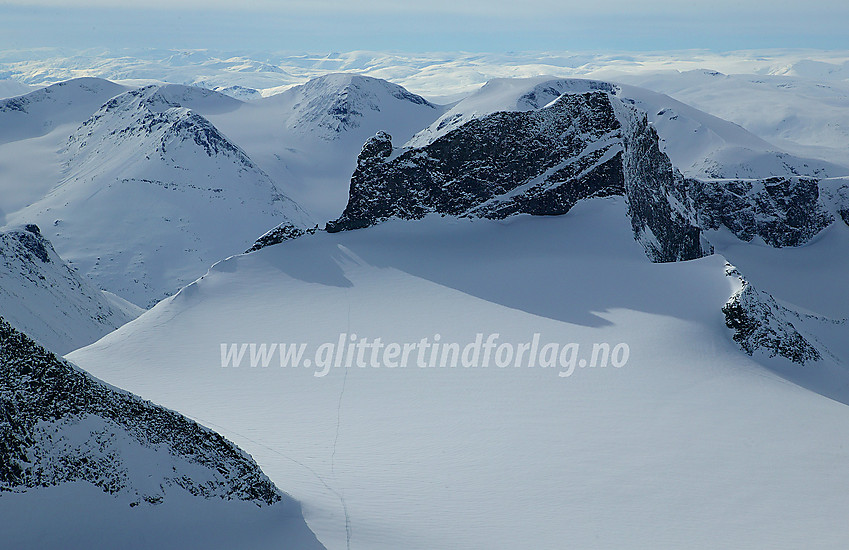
{"type": "Point", "coordinates": [691, 444]}
{"type": "Point", "coordinates": [12, 88]}
{"type": "Point", "coordinates": [33, 127]}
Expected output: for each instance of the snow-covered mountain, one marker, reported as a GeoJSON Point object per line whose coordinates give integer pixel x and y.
{"type": "Point", "coordinates": [331, 106]}
{"type": "Point", "coordinates": [42, 296]}
{"type": "Point", "coordinates": [691, 430]}
{"type": "Point", "coordinates": [37, 113]}
{"type": "Point", "coordinates": [699, 144]}
{"type": "Point", "coordinates": [579, 145]}
{"type": "Point", "coordinates": [62, 429]}
{"type": "Point", "coordinates": [33, 127]}
{"type": "Point", "coordinates": [309, 135]}
{"type": "Point", "coordinates": [153, 193]}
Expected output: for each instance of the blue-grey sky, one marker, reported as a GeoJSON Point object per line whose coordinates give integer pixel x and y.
{"type": "Point", "coordinates": [437, 25]}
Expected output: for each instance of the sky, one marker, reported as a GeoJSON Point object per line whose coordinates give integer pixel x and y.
{"type": "Point", "coordinates": [439, 25]}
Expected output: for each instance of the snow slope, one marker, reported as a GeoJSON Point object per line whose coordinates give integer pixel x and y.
{"type": "Point", "coordinates": [801, 111]}
{"type": "Point", "coordinates": [308, 137]}
{"type": "Point", "coordinates": [12, 88]}
{"type": "Point", "coordinates": [152, 193]}
{"type": "Point", "coordinates": [33, 127]}
{"type": "Point", "coordinates": [699, 144]}
{"type": "Point", "coordinates": [692, 443]}
{"type": "Point", "coordinates": [41, 296]}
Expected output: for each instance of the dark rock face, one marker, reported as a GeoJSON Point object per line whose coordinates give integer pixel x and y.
{"type": "Point", "coordinates": [836, 194]}
{"type": "Point", "coordinates": [536, 162]}
{"type": "Point", "coordinates": [57, 424]}
{"type": "Point", "coordinates": [666, 231]}
{"type": "Point", "coordinates": [283, 232]}
{"type": "Point", "coordinates": [544, 157]}
{"type": "Point", "coordinates": [782, 211]}
{"type": "Point", "coordinates": [761, 324]}
{"type": "Point", "coordinates": [33, 242]}
{"type": "Point", "coordinates": [581, 145]}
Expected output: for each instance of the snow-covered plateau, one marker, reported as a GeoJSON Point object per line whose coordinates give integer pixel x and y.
{"type": "Point", "coordinates": [382, 301]}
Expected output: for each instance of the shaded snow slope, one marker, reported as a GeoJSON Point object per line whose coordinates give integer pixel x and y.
{"type": "Point", "coordinates": [691, 444]}
{"type": "Point", "coordinates": [77, 516]}
{"type": "Point", "coordinates": [43, 297]}
{"type": "Point", "coordinates": [153, 193]}
{"type": "Point", "coordinates": [39, 112]}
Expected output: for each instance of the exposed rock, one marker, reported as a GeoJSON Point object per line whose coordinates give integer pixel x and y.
{"type": "Point", "coordinates": [283, 232]}
{"type": "Point", "coordinates": [760, 324]}
{"type": "Point", "coordinates": [536, 162]}
{"type": "Point", "coordinates": [660, 222]}
{"type": "Point", "coordinates": [58, 424]}
{"type": "Point", "coordinates": [836, 194]}
{"type": "Point", "coordinates": [782, 211]}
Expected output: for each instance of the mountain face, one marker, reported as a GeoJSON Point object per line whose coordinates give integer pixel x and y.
{"type": "Point", "coordinates": [153, 194]}
{"type": "Point", "coordinates": [41, 295]}
{"type": "Point", "coordinates": [782, 211]}
{"type": "Point", "coordinates": [59, 425]}
{"type": "Point", "coordinates": [580, 145]}
{"type": "Point", "coordinates": [535, 162]}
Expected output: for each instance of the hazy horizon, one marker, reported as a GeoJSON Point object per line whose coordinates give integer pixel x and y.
{"type": "Point", "coordinates": [434, 26]}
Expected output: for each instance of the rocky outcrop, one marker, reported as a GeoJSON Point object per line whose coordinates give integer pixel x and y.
{"type": "Point", "coordinates": [760, 324]}
{"type": "Point", "coordinates": [652, 187]}
{"type": "Point", "coordinates": [283, 232]}
{"type": "Point", "coordinates": [58, 425]}
{"type": "Point", "coordinates": [781, 211]}
{"type": "Point", "coordinates": [836, 195]}
{"type": "Point", "coordinates": [535, 162]}
{"type": "Point", "coordinates": [542, 160]}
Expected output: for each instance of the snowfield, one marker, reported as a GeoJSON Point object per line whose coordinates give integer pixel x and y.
{"type": "Point", "coordinates": [691, 430]}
